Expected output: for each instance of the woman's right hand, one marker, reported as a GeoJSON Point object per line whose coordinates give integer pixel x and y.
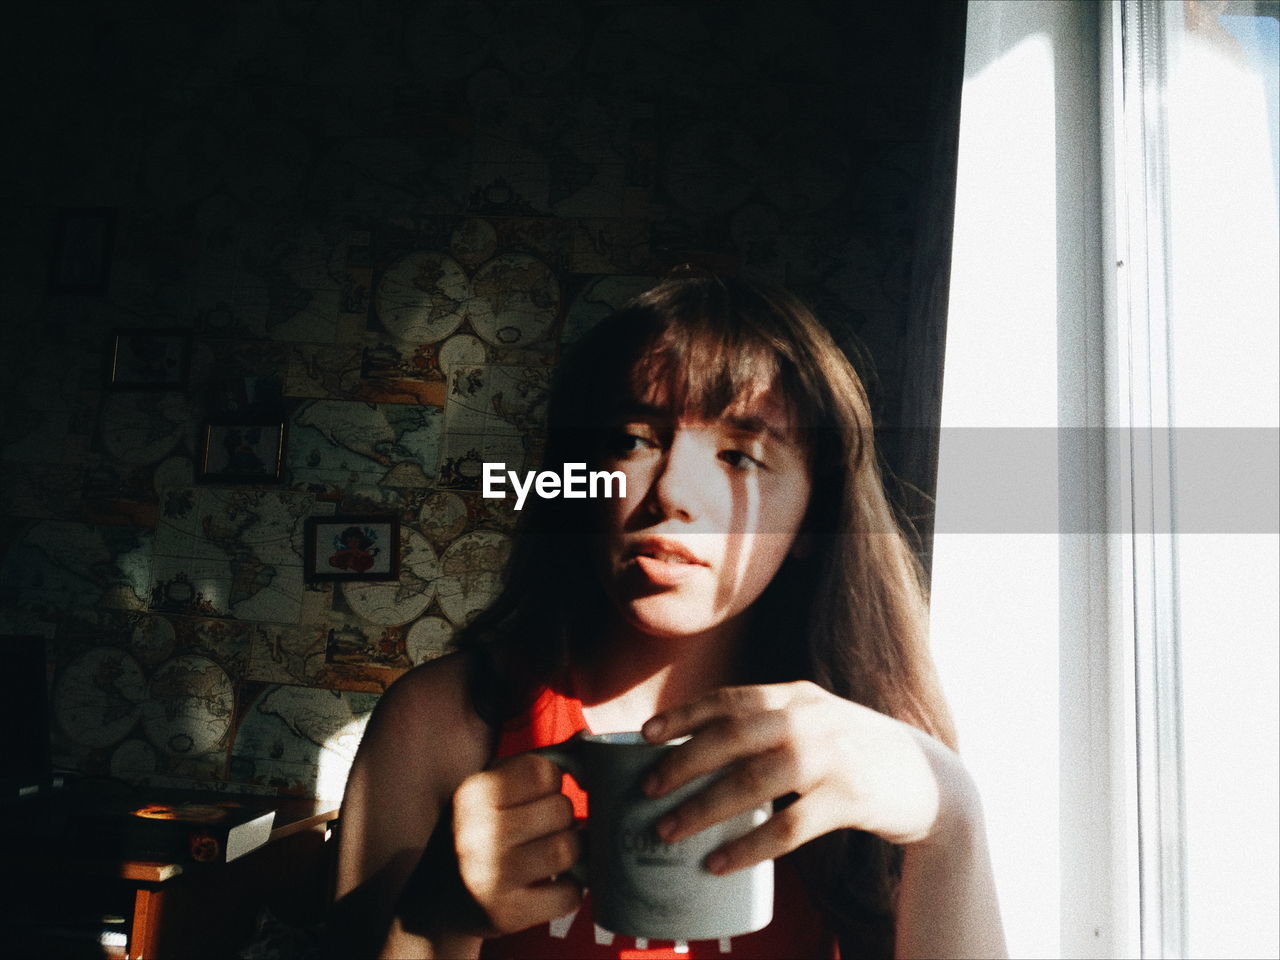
{"type": "Point", "coordinates": [514, 832]}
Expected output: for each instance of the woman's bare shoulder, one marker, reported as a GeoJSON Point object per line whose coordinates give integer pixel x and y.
{"type": "Point", "coordinates": [422, 741]}
{"type": "Point", "coordinates": [427, 714]}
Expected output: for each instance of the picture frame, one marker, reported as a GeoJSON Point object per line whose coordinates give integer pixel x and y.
{"type": "Point", "coordinates": [149, 359]}
{"type": "Point", "coordinates": [352, 547]}
{"type": "Point", "coordinates": [241, 451]}
{"type": "Point", "coordinates": [81, 262]}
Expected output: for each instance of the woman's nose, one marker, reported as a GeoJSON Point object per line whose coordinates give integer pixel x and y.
{"type": "Point", "coordinates": [682, 485]}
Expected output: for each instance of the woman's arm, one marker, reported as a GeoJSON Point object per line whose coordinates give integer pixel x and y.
{"type": "Point", "coordinates": [947, 904]}
{"type": "Point", "coordinates": [851, 768]}
{"type": "Point", "coordinates": [421, 743]}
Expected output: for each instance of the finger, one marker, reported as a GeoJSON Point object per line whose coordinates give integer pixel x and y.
{"type": "Point", "coordinates": [535, 905]}
{"type": "Point", "coordinates": [717, 745]}
{"type": "Point", "coordinates": [541, 858]}
{"type": "Point", "coordinates": [539, 818]}
{"type": "Point", "coordinates": [724, 702]}
{"type": "Point", "coordinates": [785, 831]}
{"type": "Point", "coordinates": [758, 779]}
{"type": "Point", "coordinates": [511, 782]}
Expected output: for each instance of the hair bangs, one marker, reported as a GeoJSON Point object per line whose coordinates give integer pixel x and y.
{"type": "Point", "coordinates": [697, 348]}
{"type": "Point", "coordinates": [702, 370]}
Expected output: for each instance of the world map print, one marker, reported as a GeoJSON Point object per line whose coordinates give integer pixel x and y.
{"type": "Point", "coordinates": [325, 370]}
{"type": "Point", "coordinates": [300, 741]}
{"type": "Point", "coordinates": [515, 300]}
{"type": "Point", "coordinates": [231, 553]}
{"type": "Point", "coordinates": [155, 699]}
{"type": "Point", "coordinates": [428, 638]}
{"type": "Point", "coordinates": [422, 297]}
{"type": "Point", "coordinates": [189, 706]}
{"type": "Point", "coordinates": [111, 716]}
{"type": "Point", "coordinates": [279, 280]}
{"type": "Point", "coordinates": [492, 413]}
{"type": "Point", "coordinates": [303, 655]}
{"type": "Point", "coordinates": [99, 696]}
{"type": "Point", "coordinates": [442, 516]}
{"type": "Point", "coordinates": [472, 569]}
{"type": "Point", "coordinates": [145, 429]}
{"type": "Point", "coordinates": [336, 445]}
{"type": "Point", "coordinates": [53, 567]}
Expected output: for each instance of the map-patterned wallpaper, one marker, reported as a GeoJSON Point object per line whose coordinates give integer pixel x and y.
{"type": "Point", "coordinates": [371, 228]}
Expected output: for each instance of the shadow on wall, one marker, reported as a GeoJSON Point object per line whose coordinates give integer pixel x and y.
{"type": "Point", "coordinates": [366, 236]}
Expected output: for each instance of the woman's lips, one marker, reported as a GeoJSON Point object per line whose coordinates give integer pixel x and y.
{"type": "Point", "coordinates": [666, 573]}
{"type": "Point", "coordinates": [664, 563]}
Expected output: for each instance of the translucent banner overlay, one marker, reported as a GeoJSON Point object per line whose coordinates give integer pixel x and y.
{"type": "Point", "coordinates": [1064, 480]}
{"type": "Point", "coordinates": [1022, 480]}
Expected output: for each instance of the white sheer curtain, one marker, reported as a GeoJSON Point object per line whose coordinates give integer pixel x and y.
{"type": "Point", "coordinates": [1011, 595]}
{"type": "Point", "coordinates": [1105, 604]}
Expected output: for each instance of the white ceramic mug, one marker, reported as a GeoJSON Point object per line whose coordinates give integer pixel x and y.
{"type": "Point", "coordinates": [641, 886]}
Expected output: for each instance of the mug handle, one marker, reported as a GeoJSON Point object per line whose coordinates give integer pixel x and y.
{"type": "Point", "coordinates": [565, 756]}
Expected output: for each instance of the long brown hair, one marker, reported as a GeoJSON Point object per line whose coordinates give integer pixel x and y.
{"type": "Point", "coordinates": [851, 616]}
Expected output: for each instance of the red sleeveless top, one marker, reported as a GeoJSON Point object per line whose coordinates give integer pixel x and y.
{"type": "Point", "coordinates": [797, 929]}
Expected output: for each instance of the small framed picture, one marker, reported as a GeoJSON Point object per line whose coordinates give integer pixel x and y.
{"type": "Point", "coordinates": [82, 250]}
{"type": "Point", "coordinates": [150, 359]}
{"type": "Point", "coordinates": [242, 452]}
{"type": "Point", "coordinates": [352, 548]}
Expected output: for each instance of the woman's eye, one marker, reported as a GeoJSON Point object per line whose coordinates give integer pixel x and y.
{"type": "Point", "coordinates": [741, 461]}
{"type": "Point", "coordinates": [624, 442]}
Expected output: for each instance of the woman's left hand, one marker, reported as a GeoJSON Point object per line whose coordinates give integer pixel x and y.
{"type": "Point", "coordinates": [850, 766]}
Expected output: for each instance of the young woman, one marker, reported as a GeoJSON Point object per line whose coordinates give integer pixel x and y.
{"type": "Point", "coordinates": [751, 589]}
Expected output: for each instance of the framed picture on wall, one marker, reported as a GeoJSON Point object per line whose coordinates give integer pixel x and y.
{"type": "Point", "coordinates": [352, 548]}
{"type": "Point", "coordinates": [150, 359]}
{"type": "Point", "coordinates": [235, 451]}
{"type": "Point", "coordinates": [82, 250]}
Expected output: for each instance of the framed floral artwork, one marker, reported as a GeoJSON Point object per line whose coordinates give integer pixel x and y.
{"type": "Point", "coordinates": [352, 548]}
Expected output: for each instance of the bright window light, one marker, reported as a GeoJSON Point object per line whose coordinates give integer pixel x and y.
{"type": "Point", "coordinates": [995, 589]}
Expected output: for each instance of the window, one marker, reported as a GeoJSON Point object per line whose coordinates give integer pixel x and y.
{"type": "Point", "coordinates": [1197, 172]}
{"type": "Point", "coordinates": [1106, 541]}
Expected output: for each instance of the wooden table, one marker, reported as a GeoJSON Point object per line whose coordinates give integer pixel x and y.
{"type": "Point", "coordinates": [172, 910]}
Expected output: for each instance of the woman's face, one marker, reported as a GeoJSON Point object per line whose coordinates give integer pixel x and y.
{"type": "Point", "coordinates": [712, 508]}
